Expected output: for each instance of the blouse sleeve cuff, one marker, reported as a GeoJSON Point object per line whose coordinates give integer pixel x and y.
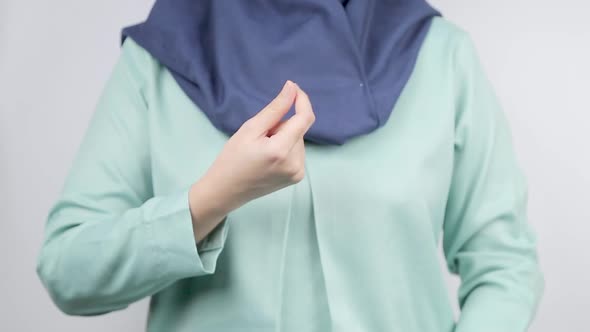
{"type": "Point", "coordinates": [172, 231]}
{"type": "Point", "coordinates": [488, 311]}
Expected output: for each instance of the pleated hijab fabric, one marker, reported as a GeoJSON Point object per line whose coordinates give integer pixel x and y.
{"type": "Point", "coordinates": [231, 57]}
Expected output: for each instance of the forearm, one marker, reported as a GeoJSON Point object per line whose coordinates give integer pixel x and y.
{"type": "Point", "coordinates": [92, 265]}
{"type": "Point", "coordinates": [210, 202]}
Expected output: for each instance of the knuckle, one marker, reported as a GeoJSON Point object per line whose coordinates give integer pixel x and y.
{"type": "Point", "coordinates": [311, 117]}
{"type": "Point", "coordinates": [295, 171]}
{"type": "Point", "coordinates": [298, 176]}
{"type": "Point", "coordinates": [276, 155]}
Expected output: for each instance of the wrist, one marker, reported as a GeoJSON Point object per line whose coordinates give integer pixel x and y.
{"type": "Point", "coordinates": [208, 206]}
{"type": "Point", "coordinates": [217, 195]}
{"type": "Point", "coordinates": [207, 200]}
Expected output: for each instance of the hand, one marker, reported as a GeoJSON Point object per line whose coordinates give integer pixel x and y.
{"type": "Point", "coordinates": [264, 155]}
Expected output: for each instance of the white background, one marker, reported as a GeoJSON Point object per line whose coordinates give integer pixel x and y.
{"type": "Point", "coordinates": [55, 57]}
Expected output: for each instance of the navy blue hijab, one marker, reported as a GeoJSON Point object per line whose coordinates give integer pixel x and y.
{"type": "Point", "coordinates": [231, 57]}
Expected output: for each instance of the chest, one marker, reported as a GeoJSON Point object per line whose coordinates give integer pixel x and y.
{"type": "Point", "coordinates": [401, 167]}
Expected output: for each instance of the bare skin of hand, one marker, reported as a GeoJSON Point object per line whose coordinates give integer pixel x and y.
{"type": "Point", "coordinates": [263, 156]}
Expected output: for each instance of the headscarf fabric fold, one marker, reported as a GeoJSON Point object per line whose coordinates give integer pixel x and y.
{"type": "Point", "coordinates": [231, 57]}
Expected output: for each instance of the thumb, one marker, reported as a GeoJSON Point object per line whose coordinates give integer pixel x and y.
{"type": "Point", "coordinates": [272, 113]}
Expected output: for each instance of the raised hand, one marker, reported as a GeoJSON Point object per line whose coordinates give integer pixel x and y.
{"type": "Point", "coordinates": [264, 155]}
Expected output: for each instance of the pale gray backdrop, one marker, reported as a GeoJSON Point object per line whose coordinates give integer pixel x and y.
{"type": "Point", "coordinates": [55, 57]}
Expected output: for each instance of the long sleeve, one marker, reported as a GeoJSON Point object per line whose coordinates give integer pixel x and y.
{"type": "Point", "coordinates": [109, 241]}
{"type": "Point", "coordinates": [487, 240]}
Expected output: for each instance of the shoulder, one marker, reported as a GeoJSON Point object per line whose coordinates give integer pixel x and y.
{"type": "Point", "coordinates": [133, 52]}
{"type": "Point", "coordinates": [451, 51]}
{"type": "Point", "coordinates": [454, 41]}
{"type": "Point", "coordinates": [452, 47]}
{"type": "Point", "coordinates": [447, 32]}
{"type": "Point", "coordinates": [444, 27]}
{"type": "Point", "coordinates": [137, 63]}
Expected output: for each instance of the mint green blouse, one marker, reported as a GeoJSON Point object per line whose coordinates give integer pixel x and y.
{"type": "Point", "coordinates": [352, 247]}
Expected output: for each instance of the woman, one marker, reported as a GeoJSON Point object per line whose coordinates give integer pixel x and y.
{"type": "Point", "coordinates": [194, 186]}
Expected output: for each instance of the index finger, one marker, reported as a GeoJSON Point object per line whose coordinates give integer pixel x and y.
{"type": "Point", "coordinates": [296, 126]}
{"type": "Point", "coordinates": [272, 113]}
